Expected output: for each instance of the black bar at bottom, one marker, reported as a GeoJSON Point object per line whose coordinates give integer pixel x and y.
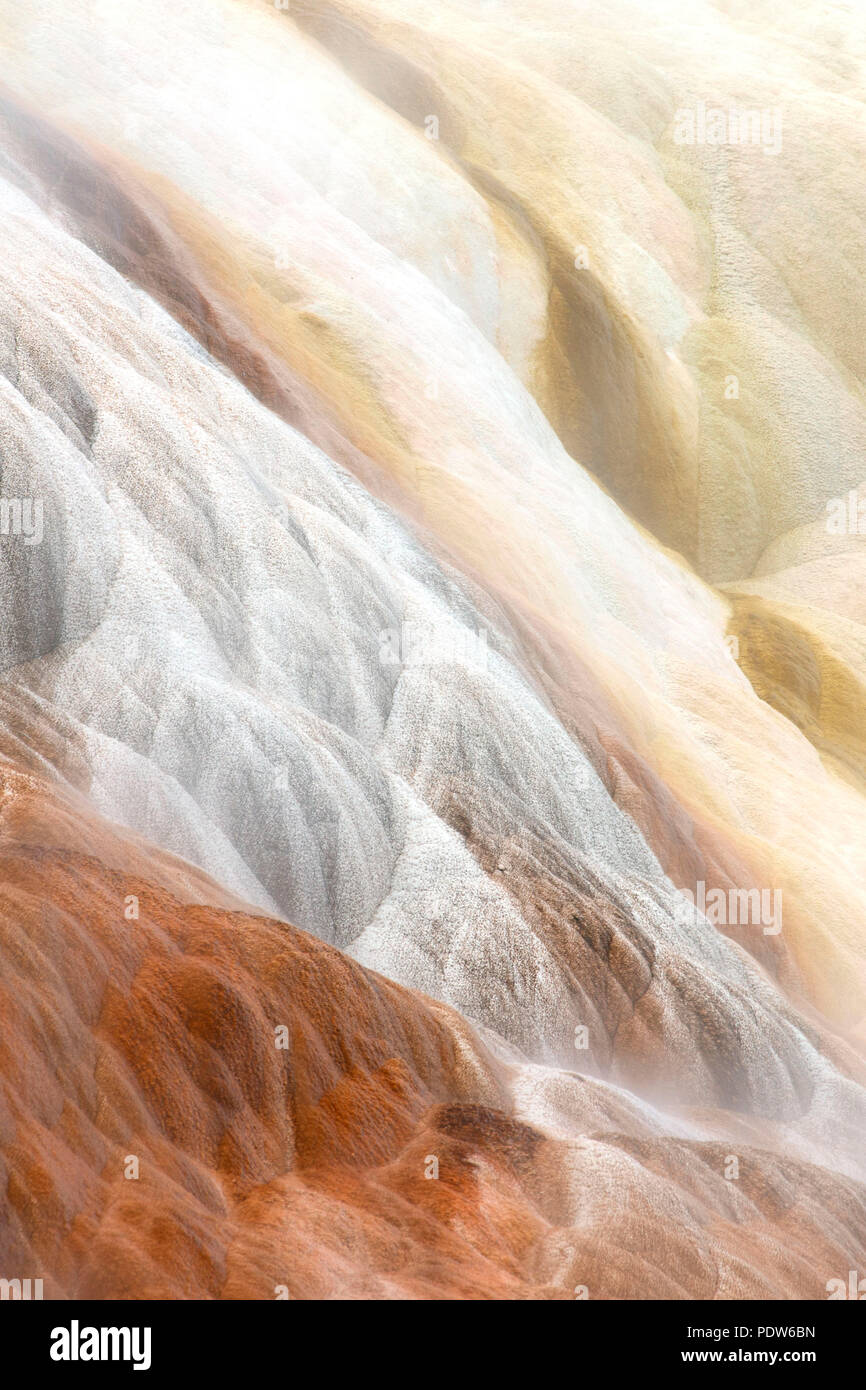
{"type": "Point", "coordinates": [243, 1339]}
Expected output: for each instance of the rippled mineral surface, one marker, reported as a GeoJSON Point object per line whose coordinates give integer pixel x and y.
{"type": "Point", "coordinates": [433, 648]}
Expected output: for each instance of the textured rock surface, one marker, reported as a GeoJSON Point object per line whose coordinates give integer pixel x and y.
{"type": "Point", "coordinates": [306, 1166]}
{"type": "Point", "coordinates": [339, 617]}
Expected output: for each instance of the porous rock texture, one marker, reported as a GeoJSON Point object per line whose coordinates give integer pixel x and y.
{"type": "Point", "coordinates": [401, 612]}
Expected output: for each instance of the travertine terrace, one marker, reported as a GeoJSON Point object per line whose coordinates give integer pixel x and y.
{"type": "Point", "coordinates": [433, 687]}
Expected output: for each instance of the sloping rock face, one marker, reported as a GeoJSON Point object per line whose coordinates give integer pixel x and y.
{"type": "Point", "coordinates": [432, 820]}
{"type": "Point", "coordinates": [201, 1103]}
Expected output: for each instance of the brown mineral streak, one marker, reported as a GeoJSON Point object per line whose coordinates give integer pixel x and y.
{"type": "Point", "coordinates": [304, 1167]}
